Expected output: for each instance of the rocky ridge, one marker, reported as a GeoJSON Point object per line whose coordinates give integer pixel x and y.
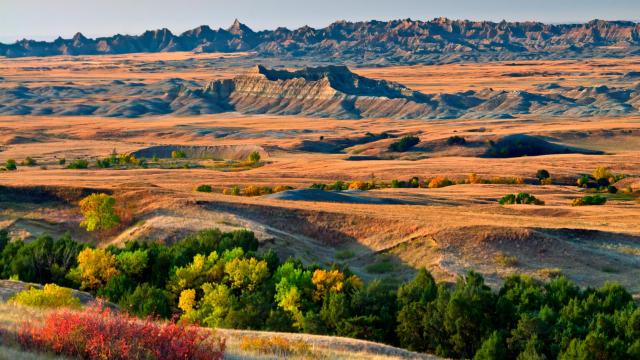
{"type": "Point", "coordinates": [371, 42]}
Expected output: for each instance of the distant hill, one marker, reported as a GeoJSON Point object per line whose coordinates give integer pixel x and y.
{"type": "Point", "coordinates": [397, 41]}
{"type": "Point", "coordinates": [329, 91]}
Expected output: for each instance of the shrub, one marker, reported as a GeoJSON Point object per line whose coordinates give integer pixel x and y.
{"type": "Point", "coordinates": [277, 346]}
{"type": "Point", "coordinates": [396, 184]}
{"type": "Point", "coordinates": [542, 174]}
{"type": "Point", "coordinates": [583, 181]}
{"type": "Point", "coordinates": [612, 189]}
{"type": "Point", "coordinates": [99, 212]}
{"type": "Point", "coordinates": [404, 144]}
{"type": "Point", "coordinates": [254, 157]}
{"type": "Point", "coordinates": [546, 181]}
{"type": "Point", "coordinates": [234, 190]}
{"type": "Point", "coordinates": [178, 154]}
{"type": "Point", "coordinates": [29, 161]}
{"type": "Point", "coordinates": [358, 185]}
{"type": "Point", "coordinates": [602, 173]}
{"type": "Point", "coordinates": [10, 165]}
{"type": "Point", "coordinates": [520, 198]}
{"type": "Point", "coordinates": [51, 296]}
{"type": "Point", "coordinates": [589, 200]}
{"type": "Point", "coordinates": [204, 188]}
{"type": "Point", "coordinates": [78, 164]}
{"type": "Point", "coordinates": [456, 140]}
{"type": "Point", "coordinates": [103, 163]}
{"type": "Point", "coordinates": [473, 178]}
{"type": "Point", "coordinates": [440, 181]}
{"type": "Point", "coordinates": [506, 260]}
{"type": "Point", "coordinates": [102, 334]}
{"type": "Point", "coordinates": [252, 190]}
{"type": "Point", "coordinates": [62, 161]}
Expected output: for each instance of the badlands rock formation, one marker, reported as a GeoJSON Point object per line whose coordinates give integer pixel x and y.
{"type": "Point", "coordinates": [330, 91]}
{"type": "Point", "coordinates": [397, 41]}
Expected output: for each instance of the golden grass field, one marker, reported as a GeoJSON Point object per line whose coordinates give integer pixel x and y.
{"type": "Point", "coordinates": [449, 230]}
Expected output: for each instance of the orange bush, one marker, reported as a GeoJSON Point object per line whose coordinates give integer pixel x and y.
{"type": "Point", "coordinates": [440, 181]}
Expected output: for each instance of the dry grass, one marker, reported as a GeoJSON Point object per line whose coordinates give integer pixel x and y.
{"type": "Point", "coordinates": [448, 229]}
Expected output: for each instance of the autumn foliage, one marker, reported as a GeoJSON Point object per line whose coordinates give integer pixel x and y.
{"type": "Point", "coordinates": [98, 333]}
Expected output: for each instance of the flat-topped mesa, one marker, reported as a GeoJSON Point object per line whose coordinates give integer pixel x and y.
{"type": "Point", "coordinates": [328, 91]}
{"type": "Point", "coordinates": [341, 79]}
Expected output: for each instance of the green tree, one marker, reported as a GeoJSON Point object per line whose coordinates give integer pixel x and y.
{"type": "Point", "coordinates": [413, 298]}
{"type": "Point", "coordinates": [147, 300]}
{"type": "Point", "coordinates": [133, 263]}
{"type": "Point", "coordinates": [10, 165]}
{"type": "Point", "coordinates": [99, 212]}
{"type": "Point", "coordinates": [493, 348]}
{"type": "Point", "coordinates": [254, 157]}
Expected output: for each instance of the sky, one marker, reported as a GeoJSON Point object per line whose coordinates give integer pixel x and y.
{"type": "Point", "coordinates": [47, 19]}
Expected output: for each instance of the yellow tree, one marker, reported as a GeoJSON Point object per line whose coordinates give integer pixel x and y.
{"type": "Point", "coordinates": [95, 268]}
{"type": "Point", "coordinates": [99, 212]}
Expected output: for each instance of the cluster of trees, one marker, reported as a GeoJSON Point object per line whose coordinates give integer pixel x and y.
{"type": "Point", "coordinates": [221, 280]}
{"type": "Point", "coordinates": [120, 159]}
{"type": "Point", "coordinates": [520, 198]}
{"type": "Point", "coordinates": [254, 190]}
{"type": "Point", "coordinates": [601, 179]}
{"type": "Point", "coordinates": [404, 144]}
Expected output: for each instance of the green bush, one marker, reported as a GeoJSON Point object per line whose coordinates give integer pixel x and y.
{"type": "Point", "coordinates": [51, 296]}
{"type": "Point", "coordinates": [204, 188]}
{"type": "Point", "coordinates": [10, 165]}
{"type": "Point", "coordinates": [404, 144]}
{"type": "Point", "coordinates": [103, 163]}
{"type": "Point", "coordinates": [254, 157]}
{"type": "Point", "coordinates": [612, 189]}
{"type": "Point", "coordinates": [520, 198]}
{"type": "Point", "coordinates": [589, 200]}
{"type": "Point", "coordinates": [78, 164]}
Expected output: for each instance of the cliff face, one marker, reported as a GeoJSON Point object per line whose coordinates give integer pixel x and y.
{"type": "Point", "coordinates": [331, 91]}
{"type": "Point", "coordinates": [398, 41]}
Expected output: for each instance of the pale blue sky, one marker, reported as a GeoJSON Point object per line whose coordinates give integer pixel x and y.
{"type": "Point", "coordinates": [46, 19]}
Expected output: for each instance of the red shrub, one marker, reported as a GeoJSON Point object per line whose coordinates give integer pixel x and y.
{"type": "Point", "coordinates": [98, 333]}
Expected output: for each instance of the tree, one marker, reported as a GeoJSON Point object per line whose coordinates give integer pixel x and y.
{"type": "Point", "coordinates": [133, 263]}
{"type": "Point", "coordinates": [413, 298]}
{"type": "Point", "coordinates": [492, 348]}
{"type": "Point", "coordinates": [254, 157]}
{"type": "Point", "coordinates": [99, 212]}
{"type": "Point", "coordinates": [404, 144]}
{"type": "Point", "coordinates": [4, 239]}
{"type": "Point", "coordinates": [147, 300]}
{"type": "Point", "coordinates": [542, 174]}
{"type": "Point", "coordinates": [95, 268]}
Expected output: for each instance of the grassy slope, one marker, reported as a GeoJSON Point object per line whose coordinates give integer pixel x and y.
{"type": "Point", "coordinates": [316, 347]}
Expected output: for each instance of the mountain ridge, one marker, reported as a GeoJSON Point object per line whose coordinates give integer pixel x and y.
{"type": "Point", "coordinates": [399, 41]}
